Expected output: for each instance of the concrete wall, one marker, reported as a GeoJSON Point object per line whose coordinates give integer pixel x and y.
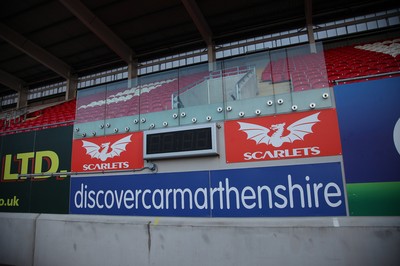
{"type": "Point", "coordinates": [17, 238]}
{"type": "Point", "coordinates": [32, 239]}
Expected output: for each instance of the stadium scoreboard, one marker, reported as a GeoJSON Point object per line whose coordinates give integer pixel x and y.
{"type": "Point", "coordinates": [186, 141]}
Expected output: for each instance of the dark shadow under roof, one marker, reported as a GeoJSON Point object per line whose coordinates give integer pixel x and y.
{"type": "Point", "coordinates": [152, 29]}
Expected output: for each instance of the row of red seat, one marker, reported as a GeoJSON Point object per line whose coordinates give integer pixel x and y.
{"type": "Point", "coordinates": [357, 61]}
{"type": "Point", "coordinates": [322, 70]}
{"type": "Point", "coordinates": [58, 115]}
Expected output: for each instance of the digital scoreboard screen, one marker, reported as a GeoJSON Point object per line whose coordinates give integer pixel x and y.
{"type": "Point", "coordinates": [186, 141]}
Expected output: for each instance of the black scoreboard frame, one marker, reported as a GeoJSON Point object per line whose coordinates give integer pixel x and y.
{"type": "Point", "coordinates": [180, 142]}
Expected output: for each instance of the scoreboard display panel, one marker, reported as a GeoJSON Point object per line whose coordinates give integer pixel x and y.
{"type": "Point", "coordinates": [188, 141]}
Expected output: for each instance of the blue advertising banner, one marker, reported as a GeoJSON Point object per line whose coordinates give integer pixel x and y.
{"type": "Point", "coordinates": [369, 121]}
{"type": "Point", "coordinates": [300, 190]}
{"type": "Point", "coordinates": [169, 194]}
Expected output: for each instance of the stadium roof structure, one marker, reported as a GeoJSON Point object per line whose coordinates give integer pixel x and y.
{"type": "Point", "coordinates": [42, 40]}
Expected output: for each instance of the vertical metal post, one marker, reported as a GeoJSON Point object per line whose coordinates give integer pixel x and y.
{"type": "Point", "coordinates": [211, 57]}
{"type": "Point", "coordinates": [310, 29]}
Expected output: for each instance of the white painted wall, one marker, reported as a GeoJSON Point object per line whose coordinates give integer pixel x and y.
{"type": "Point", "coordinates": [31, 239]}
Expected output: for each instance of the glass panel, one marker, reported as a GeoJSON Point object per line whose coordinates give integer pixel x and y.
{"type": "Point", "coordinates": [351, 29]}
{"type": "Point", "coordinates": [322, 35]}
{"type": "Point", "coordinates": [227, 53]}
{"type": "Point", "coordinates": [122, 103]}
{"type": "Point", "coordinates": [341, 31]}
{"type": "Point", "coordinates": [200, 94]}
{"type": "Point", "coordinates": [361, 27]}
{"type": "Point", "coordinates": [189, 60]}
{"type": "Point", "coordinates": [279, 71]}
{"type": "Point", "coordinates": [235, 51]}
{"type": "Point", "coordinates": [242, 75]}
{"type": "Point", "coordinates": [294, 40]}
{"type": "Point", "coordinates": [90, 104]}
{"type": "Point", "coordinates": [285, 41]}
{"type": "Point", "coordinates": [331, 33]}
{"type": "Point", "coordinates": [359, 18]}
{"type": "Point", "coordinates": [156, 99]}
{"type": "Point", "coordinates": [303, 38]}
{"type": "Point", "coordinates": [155, 91]}
{"type": "Point", "coordinates": [119, 99]}
{"type": "Point", "coordinates": [246, 81]}
{"type": "Point", "coordinates": [90, 112]}
{"type": "Point", "coordinates": [393, 21]}
{"type": "Point", "coordinates": [250, 48]}
{"type": "Point", "coordinates": [268, 45]}
{"type": "Point", "coordinates": [193, 89]}
{"type": "Point", "coordinates": [307, 69]}
{"type": "Point", "coordinates": [372, 25]}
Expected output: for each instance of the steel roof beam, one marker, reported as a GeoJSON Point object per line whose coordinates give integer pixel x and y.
{"type": "Point", "coordinates": [11, 81]}
{"type": "Point", "coordinates": [34, 51]}
{"type": "Point", "coordinates": [101, 30]}
{"type": "Point", "coordinates": [198, 18]}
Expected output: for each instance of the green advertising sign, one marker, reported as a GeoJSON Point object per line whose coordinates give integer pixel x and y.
{"type": "Point", "coordinates": [39, 152]}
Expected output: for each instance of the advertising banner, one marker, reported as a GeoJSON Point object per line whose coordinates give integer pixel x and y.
{"type": "Point", "coordinates": [106, 153]}
{"type": "Point", "coordinates": [37, 152]}
{"type": "Point", "coordinates": [53, 154]}
{"type": "Point", "coordinates": [369, 119]}
{"type": "Point", "coordinates": [169, 194]}
{"type": "Point", "coordinates": [299, 190]}
{"type": "Point", "coordinates": [287, 136]}
{"type": "Point", "coordinates": [17, 151]}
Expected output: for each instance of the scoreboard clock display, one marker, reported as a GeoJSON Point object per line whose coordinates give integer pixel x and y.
{"type": "Point", "coordinates": [186, 141]}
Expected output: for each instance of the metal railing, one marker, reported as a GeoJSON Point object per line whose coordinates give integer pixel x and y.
{"type": "Point", "coordinates": [13, 131]}
{"type": "Point", "coordinates": [151, 166]}
{"type": "Point", "coordinates": [339, 81]}
{"type": "Point", "coordinates": [16, 115]}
